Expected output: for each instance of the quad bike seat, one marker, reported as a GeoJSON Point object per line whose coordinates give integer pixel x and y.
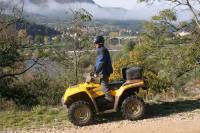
{"type": "Point", "coordinates": [132, 81]}
{"type": "Point", "coordinates": [115, 85]}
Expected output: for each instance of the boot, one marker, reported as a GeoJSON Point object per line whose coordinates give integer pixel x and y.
{"type": "Point", "coordinates": [109, 97]}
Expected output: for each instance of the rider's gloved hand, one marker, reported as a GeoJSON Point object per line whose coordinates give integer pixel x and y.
{"type": "Point", "coordinates": [95, 75]}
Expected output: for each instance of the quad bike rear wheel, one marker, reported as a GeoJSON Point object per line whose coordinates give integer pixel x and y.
{"type": "Point", "coordinates": [80, 113]}
{"type": "Point", "coordinates": [132, 108]}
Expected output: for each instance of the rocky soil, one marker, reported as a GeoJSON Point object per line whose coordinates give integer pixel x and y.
{"type": "Point", "coordinates": [175, 117]}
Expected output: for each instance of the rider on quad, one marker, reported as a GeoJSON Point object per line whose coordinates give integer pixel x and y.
{"type": "Point", "coordinates": [103, 67]}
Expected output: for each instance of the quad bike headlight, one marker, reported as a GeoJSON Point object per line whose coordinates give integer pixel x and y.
{"type": "Point", "coordinates": [63, 101]}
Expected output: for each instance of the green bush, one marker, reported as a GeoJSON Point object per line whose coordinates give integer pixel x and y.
{"type": "Point", "coordinates": [128, 46]}
{"type": "Point", "coordinates": [42, 90]}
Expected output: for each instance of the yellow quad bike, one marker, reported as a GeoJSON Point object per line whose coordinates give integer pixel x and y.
{"type": "Point", "coordinates": [87, 99]}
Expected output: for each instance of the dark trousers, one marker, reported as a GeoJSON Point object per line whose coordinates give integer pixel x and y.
{"type": "Point", "coordinates": [104, 84]}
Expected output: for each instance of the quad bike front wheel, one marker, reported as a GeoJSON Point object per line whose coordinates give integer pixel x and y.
{"type": "Point", "coordinates": [80, 113]}
{"type": "Point", "coordinates": [132, 108]}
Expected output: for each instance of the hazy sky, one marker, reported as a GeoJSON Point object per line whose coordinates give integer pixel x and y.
{"type": "Point", "coordinates": [143, 9]}
{"type": "Point", "coordinates": [128, 4]}
{"type": "Point", "coordinates": [135, 10]}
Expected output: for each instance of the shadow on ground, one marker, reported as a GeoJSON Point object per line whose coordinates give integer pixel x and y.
{"type": "Point", "coordinates": [169, 108]}
{"type": "Point", "coordinates": [156, 110]}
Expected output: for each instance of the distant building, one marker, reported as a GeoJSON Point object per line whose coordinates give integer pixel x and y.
{"type": "Point", "coordinates": [114, 34]}
{"type": "Point", "coordinates": [182, 33]}
{"type": "Point", "coordinates": [114, 41]}
{"type": "Point", "coordinates": [125, 32]}
{"type": "Point", "coordinates": [30, 40]}
{"type": "Point", "coordinates": [121, 39]}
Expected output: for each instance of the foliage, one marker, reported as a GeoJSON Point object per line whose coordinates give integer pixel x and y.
{"type": "Point", "coordinates": [78, 41]}
{"type": "Point", "coordinates": [166, 15]}
{"type": "Point", "coordinates": [162, 55]}
{"type": "Point", "coordinates": [12, 55]}
{"type": "Point", "coordinates": [16, 60]}
{"type": "Point", "coordinates": [39, 39]}
{"type": "Point", "coordinates": [41, 90]}
{"type": "Point", "coordinates": [117, 68]}
{"type": "Point", "coordinates": [34, 29]}
{"type": "Point", "coordinates": [190, 5]}
{"type": "Point", "coordinates": [128, 46]}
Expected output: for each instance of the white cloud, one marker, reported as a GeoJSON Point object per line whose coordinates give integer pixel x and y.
{"type": "Point", "coordinates": [140, 11]}
{"type": "Point", "coordinates": [127, 4]}
{"type": "Point", "coordinates": [134, 11]}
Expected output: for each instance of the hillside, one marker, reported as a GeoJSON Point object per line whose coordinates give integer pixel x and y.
{"type": "Point", "coordinates": [51, 9]}
{"type": "Point", "coordinates": [36, 29]}
{"type": "Point", "coordinates": [62, 1]}
{"type": "Point", "coordinates": [130, 24]}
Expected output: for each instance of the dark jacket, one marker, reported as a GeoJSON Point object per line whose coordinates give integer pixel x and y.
{"type": "Point", "coordinates": [103, 65]}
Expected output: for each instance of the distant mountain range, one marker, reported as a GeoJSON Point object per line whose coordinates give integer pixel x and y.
{"type": "Point", "coordinates": [58, 9]}
{"type": "Point", "coordinates": [91, 2]}
{"type": "Point", "coordinates": [63, 1]}
{"type": "Point", "coordinates": [34, 29]}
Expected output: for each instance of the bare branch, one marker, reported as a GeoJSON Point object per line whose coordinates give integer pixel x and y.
{"type": "Point", "coordinates": [194, 13]}
{"type": "Point", "coordinates": [191, 8]}
{"type": "Point", "coordinates": [176, 6]}
{"type": "Point", "coordinates": [10, 23]}
{"type": "Point", "coordinates": [170, 24]}
{"type": "Point", "coordinates": [19, 73]}
{"type": "Point", "coordinates": [178, 2]}
{"type": "Point", "coordinates": [19, 11]}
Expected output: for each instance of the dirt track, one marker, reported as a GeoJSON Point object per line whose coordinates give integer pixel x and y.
{"type": "Point", "coordinates": [173, 124]}
{"type": "Point", "coordinates": [175, 117]}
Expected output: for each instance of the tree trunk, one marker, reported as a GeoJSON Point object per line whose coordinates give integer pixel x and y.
{"type": "Point", "coordinates": [196, 18]}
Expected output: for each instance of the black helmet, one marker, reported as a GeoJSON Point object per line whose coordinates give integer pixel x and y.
{"type": "Point", "coordinates": [99, 40]}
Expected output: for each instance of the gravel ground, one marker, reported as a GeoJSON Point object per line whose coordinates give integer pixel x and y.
{"type": "Point", "coordinates": [185, 122]}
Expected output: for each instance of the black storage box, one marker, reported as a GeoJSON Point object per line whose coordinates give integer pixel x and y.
{"type": "Point", "coordinates": [134, 73]}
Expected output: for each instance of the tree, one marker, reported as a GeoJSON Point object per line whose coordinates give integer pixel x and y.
{"type": "Point", "coordinates": [191, 5]}
{"type": "Point", "coordinates": [128, 46]}
{"type": "Point", "coordinates": [22, 34]}
{"type": "Point", "coordinates": [12, 57]}
{"type": "Point", "coordinates": [46, 40]}
{"type": "Point", "coordinates": [39, 39]}
{"type": "Point", "coordinates": [77, 43]}
{"type": "Point", "coordinates": [164, 59]}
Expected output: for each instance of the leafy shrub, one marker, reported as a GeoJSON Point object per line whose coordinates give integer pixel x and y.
{"type": "Point", "coordinates": [128, 46]}
{"type": "Point", "coordinates": [162, 66]}
{"type": "Point", "coordinates": [41, 90]}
